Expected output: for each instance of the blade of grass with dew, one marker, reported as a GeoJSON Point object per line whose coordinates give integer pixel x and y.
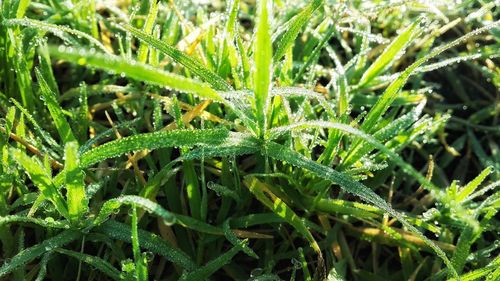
{"type": "Point", "coordinates": [46, 223]}
{"type": "Point", "coordinates": [392, 51]}
{"type": "Point", "coordinates": [273, 202]}
{"type": "Point", "coordinates": [142, 53]}
{"type": "Point", "coordinates": [40, 177]}
{"type": "Point", "coordinates": [212, 266]}
{"type": "Point", "coordinates": [285, 154]}
{"type": "Point", "coordinates": [55, 29]}
{"type": "Point", "coordinates": [263, 59]}
{"type": "Point", "coordinates": [177, 138]}
{"type": "Point", "coordinates": [472, 185]}
{"type": "Point", "coordinates": [140, 265]}
{"type": "Point", "coordinates": [138, 71]}
{"type": "Point", "coordinates": [55, 109]}
{"type": "Point", "coordinates": [28, 254]}
{"type": "Point", "coordinates": [191, 64]}
{"type": "Point", "coordinates": [149, 241]}
{"type": "Point", "coordinates": [94, 261]}
{"type": "Point", "coordinates": [75, 185]}
{"type": "Point", "coordinates": [146, 204]}
{"type": "Point", "coordinates": [235, 241]}
{"type": "Point", "coordinates": [295, 24]}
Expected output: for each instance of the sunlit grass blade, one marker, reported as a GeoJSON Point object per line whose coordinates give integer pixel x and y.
{"type": "Point", "coordinates": [149, 241]}
{"type": "Point", "coordinates": [57, 30]}
{"type": "Point", "coordinates": [263, 58]}
{"type": "Point", "coordinates": [391, 52]}
{"type": "Point", "coordinates": [138, 71]}
{"type": "Point", "coordinates": [40, 177]}
{"type": "Point", "coordinates": [55, 110]}
{"type": "Point", "coordinates": [96, 262]}
{"type": "Point", "coordinates": [142, 53]}
{"type": "Point", "coordinates": [190, 63]}
{"type": "Point", "coordinates": [294, 25]}
{"type": "Point", "coordinates": [471, 186]}
{"type": "Point", "coordinates": [75, 185]}
{"type": "Point", "coordinates": [33, 252]}
{"type": "Point", "coordinates": [37, 221]}
{"type": "Point", "coordinates": [280, 208]}
{"type": "Point", "coordinates": [177, 138]}
{"type": "Point", "coordinates": [285, 154]}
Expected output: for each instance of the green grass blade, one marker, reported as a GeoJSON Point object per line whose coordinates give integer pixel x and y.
{"type": "Point", "coordinates": [136, 71]}
{"type": "Point", "coordinates": [33, 252]}
{"type": "Point", "coordinates": [146, 204]}
{"type": "Point", "coordinates": [55, 110]}
{"type": "Point", "coordinates": [212, 266]}
{"type": "Point", "coordinates": [471, 186]}
{"type": "Point", "coordinates": [295, 24]}
{"type": "Point", "coordinates": [140, 266]}
{"type": "Point", "coordinates": [75, 185]}
{"type": "Point", "coordinates": [263, 52]}
{"type": "Point", "coordinates": [96, 262]}
{"type": "Point", "coordinates": [46, 223]}
{"type": "Point", "coordinates": [189, 63]}
{"type": "Point", "coordinates": [270, 200]}
{"type": "Point", "coordinates": [142, 53]}
{"type": "Point", "coordinates": [55, 29]}
{"type": "Point", "coordinates": [285, 154]}
{"type": "Point", "coordinates": [237, 242]}
{"type": "Point", "coordinates": [149, 241]}
{"type": "Point", "coordinates": [177, 138]}
{"type": "Point", "coordinates": [40, 177]}
{"type": "Point", "coordinates": [391, 52]}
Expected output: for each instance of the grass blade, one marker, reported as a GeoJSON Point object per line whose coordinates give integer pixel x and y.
{"type": "Point", "coordinates": [136, 71]}
{"type": "Point", "coordinates": [75, 186]}
{"type": "Point", "coordinates": [191, 64]}
{"type": "Point", "coordinates": [40, 177]}
{"type": "Point", "coordinates": [263, 52]}
{"type": "Point", "coordinates": [55, 110]}
{"type": "Point", "coordinates": [149, 241]}
{"type": "Point", "coordinates": [100, 264]}
{"type": "Point", "coordinates": [33, 252]}
{"type": "Point", "coordinates": [285, 154]}
{"type": "Point", "coordinates": [188, 138]}
{"type": "Point", "coordinates": [146, 204]}
{"type": "Point", "coordinates": [391, 52]}
{"type": "Point", "coordinates": [295, 24]}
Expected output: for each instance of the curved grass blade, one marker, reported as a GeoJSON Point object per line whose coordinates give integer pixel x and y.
{"type": "Point", "coordinates": [393, 89]}
{"type": "Point", "coordinates": [149, 241]}
{"type": "Point", "coordinates": [40, 177]}
{"type": "Point", "coordinates": [55, 29]}
{"type": "Point", "coordinates": [237, 242]}
{"type": "Point", "coordinates": [471, 186]}
{"type": "Point", "coordinates": [190, 63]}
{"type": "Point", "coordinates": [136, 70]}
{"type": "Point", "coordinates": [273, 202]}
{"type": "Point", "coordinates": [212, 266]}
{"type": "Point", "coordinates": [391, 52]}
{"type": "Point", "coordinates": [177, 138]}
{"type": "Point", "coordinates": [46, 223]}
{"type": "Point", "coordinates": [263, 58]}
{"type": "Point", "coordinates": [146, 204]}
{"type": "Point", "coordinates": [285, 154]}
{"type": "Point", "coordinates": [33, 252]}
{"type": "Point", "coordinates": [55, 109]}
{"type": "Point", "coordinates": [295, 24]}
{"type": "Point", "coordinates": [142, 53]}
{"type": "Point", "coordinates": [100, 264]}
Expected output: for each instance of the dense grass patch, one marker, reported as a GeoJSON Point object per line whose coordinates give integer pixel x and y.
{"type": "Point", "coordinates": [249, 140]}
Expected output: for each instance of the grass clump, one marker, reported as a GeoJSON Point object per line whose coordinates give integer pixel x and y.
{"type": "Point", "coordinates": [249, 140]}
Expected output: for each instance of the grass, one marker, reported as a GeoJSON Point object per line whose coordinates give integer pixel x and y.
{"type": "Point", "coordinates": [249, 140]}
